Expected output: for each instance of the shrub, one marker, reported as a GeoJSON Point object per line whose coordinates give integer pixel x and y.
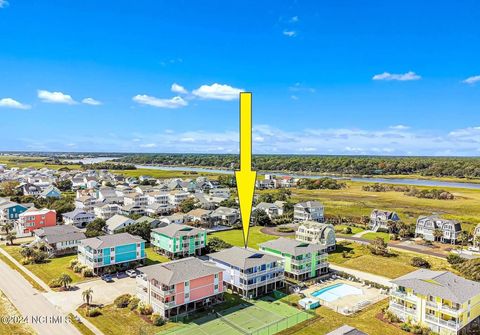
{"type": "Point", "coordinates": [133, 303]}
{"type": "Point", "coordinates": [405, 326]}
{"type": "Point", "coordinates": [86, 272]}
{"type": "Point", "coordinates": [73, 262]}
{"type": "Point", "coordinates": [25, 261]}
{"type": "Point", "coordinates": [144, 308]}
{"type": "Point", "coordinates": [54, 283]}
{"type": "Point", "coordinates": [347, 230]}
{"type": "Point", "coordinates": [419, 262]}
{"type": "Point", "coordinates": [122, 301]}
{"type": "Point", "coordinates": [157, 320]}
{"type": "Point", "coordinates": [454, 259]}
{"type": "Point", "coordinates": [78, 268]}
{"type": "Point", "coordinates": [39, 257]}
{"type": "Point", "coordinates": [92, 312]}
{"type": "Point", "coordinates": [285, 229]}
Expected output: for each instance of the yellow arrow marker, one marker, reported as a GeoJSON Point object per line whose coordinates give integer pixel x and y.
{"type": "Point", "coordinates": [245, 177]}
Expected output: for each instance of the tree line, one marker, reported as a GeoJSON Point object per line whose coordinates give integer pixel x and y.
{"type": "Point", "coordinates": [461, 167]}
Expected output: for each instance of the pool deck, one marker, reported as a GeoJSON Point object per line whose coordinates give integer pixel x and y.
{"type": "Point", "coordinates": [347, 304]}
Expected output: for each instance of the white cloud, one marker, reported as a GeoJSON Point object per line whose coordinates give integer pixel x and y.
{"type": "Point", "coordinates": [397, 76]}
{"type": "Point", "coordinates": [472, 80]}
{"type": "Point", "coordinates": [294, 97]}
{"type": "Point", "coordinates": [3, 3]}
{"type": "Point", "coordinates": [217, 92]}
{"type": "Point", "coordinates": [91, 101]}
{"type": "Point", "coordinates": [399, 127]}
{"type": "Point", "coordinates": [176, 88]}
{"type": "Point", "coordinates": [294, 19]}
{"type": "Point", "coordinates": [175, 102]}
{"type": "Point", "coordinates": [148, 145]}
{"type": "Point", "coordinates": [290, 33]}
{"type": "Point", "coordinates": [11, 103]}
{"type": "Point", "coordinates": [55, 97]}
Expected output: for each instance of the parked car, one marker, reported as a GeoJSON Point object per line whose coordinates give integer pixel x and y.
{"type": "Point", "coordinates": [131, 273]}
{"type": "Point", "coordinates": [107, 278]}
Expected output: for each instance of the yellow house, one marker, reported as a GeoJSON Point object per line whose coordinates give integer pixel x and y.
{"type": "Point", "coordinates": [444, 302]}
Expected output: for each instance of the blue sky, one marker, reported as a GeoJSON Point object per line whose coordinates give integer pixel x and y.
{"type": "Point", "coordinates": [328, 77]}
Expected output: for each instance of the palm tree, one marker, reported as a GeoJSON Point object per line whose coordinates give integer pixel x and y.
{"type": "Point", "coordinates": [87, 296]}
{"type": "Point", "coordinates": [65, 280]}
{"type": "Point", "coordinates": [11, 237]}
{"type": "Point", "coordinates": [27, 252]}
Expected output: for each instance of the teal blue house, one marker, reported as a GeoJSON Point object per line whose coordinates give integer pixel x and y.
{"type": "Point", "coordinates": [11, 210]}
{"type": "Point", "coordinates": [122, 250]}
{"type": "Point", "coordinates": [51, 192]}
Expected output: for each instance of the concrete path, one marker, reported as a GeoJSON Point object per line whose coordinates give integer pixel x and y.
{"type": "Point", "coordinates": [42, 315]}
{"type": "Point", "coordinates": [27, 271]}
{"type": "Point", "coordinates": [363, 275]}
{"type": "Point", "coordinates": [360, 234]}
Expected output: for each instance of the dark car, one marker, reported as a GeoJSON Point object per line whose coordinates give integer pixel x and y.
{"type": "Point", "coordinates": [107, 278]}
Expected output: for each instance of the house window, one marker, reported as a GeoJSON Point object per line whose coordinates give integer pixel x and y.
{"type": "Point", "coordinates": [187, 284]}
{"type": "Point", "coordinates": [187, 295]}
{"type": "Point", "coordinates": [216, 287]}
{"type": "Point", "coordinates": [111, 258]}
{"type": "Point", "coordinates": [112, 249]}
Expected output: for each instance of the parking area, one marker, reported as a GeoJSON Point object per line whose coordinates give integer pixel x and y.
{"type": "Point", "coordinates": [103, 292]}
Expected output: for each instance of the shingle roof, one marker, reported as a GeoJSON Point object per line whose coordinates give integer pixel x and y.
{"type": "Point", "coordinates": [346, 330]}
{"type": "Point", "coordinates": [177, 230]}
{"type": "Point", "coordinates": [292, 247]}
{"type": "Point", "coordinates": [60, 233]}
{"type": "Point", "coordinates": [108, 241]}
{"type": "Point", "coordinates": [116, 221]}
{"type": "Point", "coordinates": [442, 284]}
{"type": "Point", "coordinates": [180, 270]}
{"type": "Point", "coordinates": [243, 258]}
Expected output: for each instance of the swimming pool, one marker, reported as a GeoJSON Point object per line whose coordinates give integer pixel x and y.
{"type": "Point", "coordinates": [336, 291]}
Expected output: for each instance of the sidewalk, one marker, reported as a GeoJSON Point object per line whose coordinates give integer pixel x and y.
{"type": "Point", "coordinates": [27, 271]}
{"type": "Point", "coordinates": [363, 275]}
{"type": "Point", "coordinates": [47, 289]}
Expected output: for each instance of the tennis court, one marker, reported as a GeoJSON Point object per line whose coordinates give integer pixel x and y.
{"type": "Point", "coordinates": [260, 317]}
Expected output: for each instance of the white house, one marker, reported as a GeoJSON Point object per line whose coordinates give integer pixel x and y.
{"type": "Point", "coordinates": [117, 222]}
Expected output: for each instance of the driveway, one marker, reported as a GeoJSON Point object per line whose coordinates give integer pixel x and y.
{"type": "Point", "coordinates": [103, 293]}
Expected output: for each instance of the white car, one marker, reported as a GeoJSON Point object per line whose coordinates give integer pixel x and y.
{"type": "Point", "coordinates": [131, 273]}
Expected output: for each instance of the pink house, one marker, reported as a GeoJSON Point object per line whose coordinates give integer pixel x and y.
{"type": "Point", "coordinates": [33, 219]}
{"type": "Point", "coordinates": [180, 286]}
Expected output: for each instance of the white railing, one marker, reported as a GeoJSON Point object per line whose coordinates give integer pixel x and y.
{"type": "Point", "coordinates": [404, 296]}
{"type": "Point", "coordinates": [444, 323]}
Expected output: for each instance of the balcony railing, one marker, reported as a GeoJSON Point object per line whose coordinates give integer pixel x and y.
{"type": "Point", "coordinates": [404, 296]}
{"type": "Point", "coordinates": [455, 325]}
{"type": "Point", "coordinates": [403, 308]}
{"type": "Point", "coordinates": [450, 310]}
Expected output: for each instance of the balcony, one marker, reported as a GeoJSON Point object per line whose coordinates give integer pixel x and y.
{"type": "Point", "coordinates": [161, 291]}
{"type": "Point", "coordinates": [450, 310]}
{"type": "Point", "coordinates": [432, 304]}
{"type": "Point", "coordinates": [402, 308]}
{"type": "Point", "coordinates": [404, 296]}
{"type": "Point", "coordinates": [454, 325]}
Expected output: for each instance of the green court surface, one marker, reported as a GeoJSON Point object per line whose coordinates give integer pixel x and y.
{"type": "Point", "coordinates": [259, 317]}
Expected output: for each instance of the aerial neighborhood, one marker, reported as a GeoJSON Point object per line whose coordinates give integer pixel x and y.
{"type": "Point", "coordinates": [112, 224]}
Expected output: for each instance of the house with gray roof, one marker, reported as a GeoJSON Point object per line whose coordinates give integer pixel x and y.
{"type": "Point", "coordinates": [181, 286]}
{"type": "Point", "coordinates": [308, 211]}
{"type": "Point", "coordinates": [434, 228]}
{"type": "Point", "coordinates": [301, 260]}
{"type": "Point", "coordinates": [117, 251]}
{"type": "Point", "coordinates": [440, 300]}
{"type": "Point", "coordinates": [318, 233]}
{"type": "Point", "coordinates": [78, 218]}
{"type": "Point", "coordinates": [58, 240]}
{"type": "Point", "coordinates": [117, 222]}
{"type": "Point", "coordinates": [346, 330]}
{"type": "Point", "coordinates": [179, 240]}
{"type": "Point", "coordinates": [248, 272]}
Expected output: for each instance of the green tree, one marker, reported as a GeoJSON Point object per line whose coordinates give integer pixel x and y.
{"type": "Point", "coordinates": [187, 205]}
{"type": "Point", "coordinates": [216, 244]}
{"type": "Point", "coordinates": [64, 185]}
{"type": "Point", "coordinates": [378, 247]}
{"type": "Point", "coordinates": [7, 227]}
{"type": "Point", "coordinates": [95, 228]}
{"type": "Point", "coordinates": [260, 218]}
{"type": "Point", "coordinates": [11, 237]}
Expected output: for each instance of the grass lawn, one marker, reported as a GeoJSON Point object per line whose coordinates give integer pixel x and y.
{"type": "Point", "coordinates": [163, 174]}
{"type": "Point", "coordinates": [122, 321]}
{"type": "Point", "coordinates": [51, 269]}
{"type": "Point", "coordinates": [80, 326]}
{"type": "Point", "coordinates": [355, 230]}
{"type": "Point", "coordinates": [235, 237]}
{"type": "Point", "coordinates": [353, 201]}
{"type": "Point", "coordinates": [32, 282]}
{"type": "Point", "coordinates": [329, 320]}
{"type": "Point", "coordinates": [7, 309]}
{"type": "Point", "coordinates": [153, 257]}
{"type": "Point", "coordinates": [391, 267]}
{"type": "Point", "coordinates": [374, 235]}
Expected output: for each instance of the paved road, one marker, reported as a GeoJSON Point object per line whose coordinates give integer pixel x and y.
{"type": "Point", "coordinates": [32, 304]}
